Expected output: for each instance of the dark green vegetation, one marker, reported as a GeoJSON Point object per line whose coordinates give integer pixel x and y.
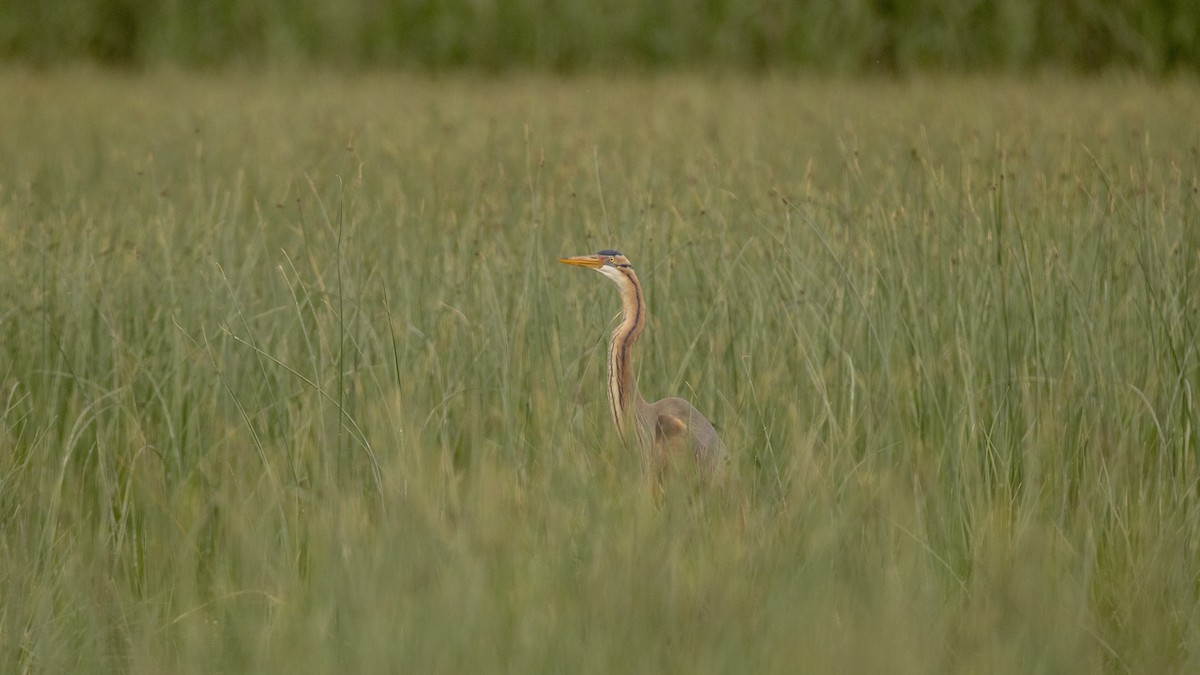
{"type": "Point", "coordinates": [830, 36]}
{"type": "Point", "coordinates": [290, 380]}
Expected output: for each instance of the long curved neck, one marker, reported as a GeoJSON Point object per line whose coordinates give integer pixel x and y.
{"type": "Point", "coordinates": [622, 384]}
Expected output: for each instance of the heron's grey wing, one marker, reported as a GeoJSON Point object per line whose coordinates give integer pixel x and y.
{"type": "Point", "coordinates": [678, 422]}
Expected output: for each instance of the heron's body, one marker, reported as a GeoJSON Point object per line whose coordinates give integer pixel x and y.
{"type": "Point", "coordinates": [665, 429]}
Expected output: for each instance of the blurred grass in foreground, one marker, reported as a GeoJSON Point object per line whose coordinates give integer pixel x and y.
{"type": "Point", "coordinates": [292, 382]}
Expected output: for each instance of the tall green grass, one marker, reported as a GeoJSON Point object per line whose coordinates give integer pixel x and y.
{"type": "Point", "coordinates": [827, 36]}
{"type": "Point", "coordinates": [292, 383]}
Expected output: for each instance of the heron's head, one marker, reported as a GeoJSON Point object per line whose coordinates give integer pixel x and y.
{"type": "Point", "coordinates": [608, 262]}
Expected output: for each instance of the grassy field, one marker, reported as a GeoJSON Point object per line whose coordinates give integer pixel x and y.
{"type": "Point", "coordinates": [578, 36]}
{"type": "Point", "coordinates": [290, 380]}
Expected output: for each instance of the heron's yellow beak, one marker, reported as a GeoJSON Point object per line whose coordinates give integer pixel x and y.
{"type": "Point", "coordinates": [592, 261]}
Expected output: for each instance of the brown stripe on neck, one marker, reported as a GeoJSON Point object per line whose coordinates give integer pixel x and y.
{"type": "Point", "coordinates": [621, 384]}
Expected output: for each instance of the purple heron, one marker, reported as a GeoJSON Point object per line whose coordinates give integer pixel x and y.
{"type": "Point", "coordinates": [663, 429]}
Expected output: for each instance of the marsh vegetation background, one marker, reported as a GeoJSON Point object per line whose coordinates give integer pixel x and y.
{"type": "Point", "coordinates": [1157, 36]}
{"type": "Point", "coordinates": [290, 380]}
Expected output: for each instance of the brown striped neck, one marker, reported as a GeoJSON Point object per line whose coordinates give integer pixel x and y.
{"type": "Point", "coordinates": [622, 383]}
